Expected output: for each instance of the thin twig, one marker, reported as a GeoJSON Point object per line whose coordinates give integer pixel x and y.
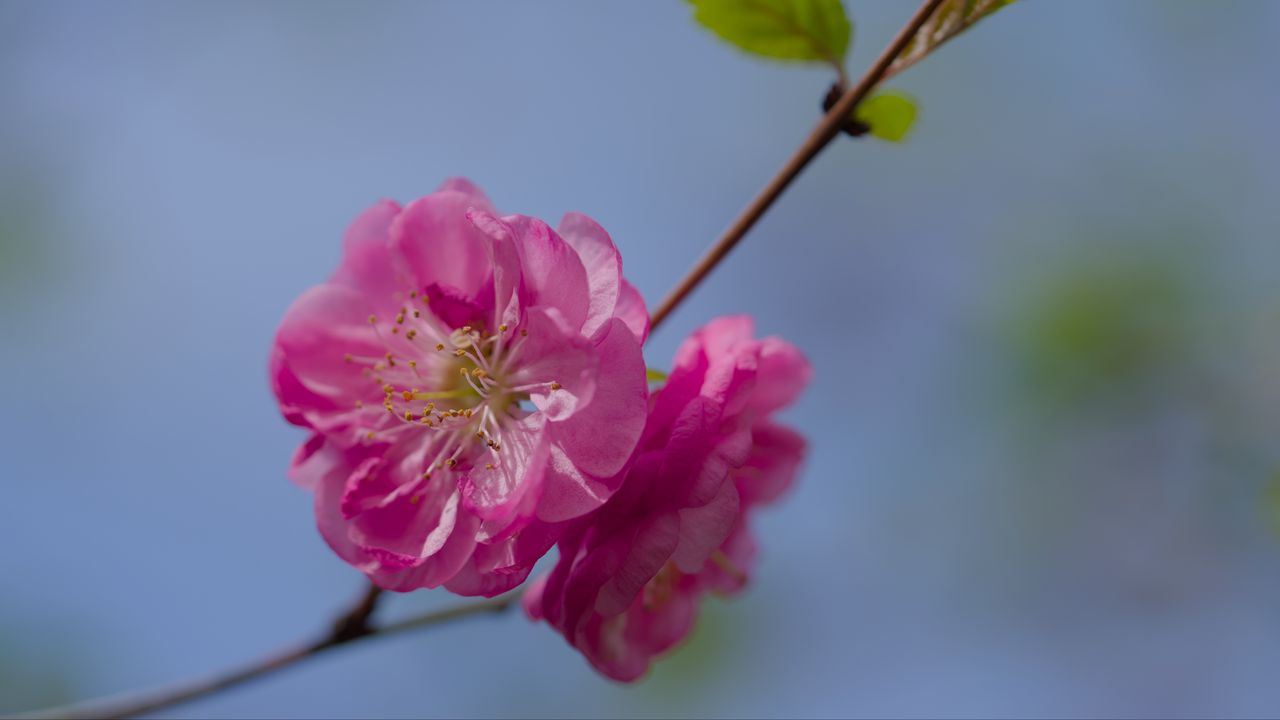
{"type": "Point", "coordinates": [148, 702]}
{"type": "Point", "coordinates": [818, 139]}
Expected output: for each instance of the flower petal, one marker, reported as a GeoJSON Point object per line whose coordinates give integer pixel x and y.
{"type": "Point", "coordinates": [314, 384]}
{"type": "Point", "coordinates": [600, 437]}
{"type": "Point", "coordinates": [439, 246]}
{"type": "Point", "coordinates": [703, 529]}
{"type": "Point", "coordinates": [602, 263]}
{"type": "Point", "coordinates": [631, 310]}
{"type": "Point", "coordinates": [367, 264]}
{"type": "Point", "coordinates": [498, 493]}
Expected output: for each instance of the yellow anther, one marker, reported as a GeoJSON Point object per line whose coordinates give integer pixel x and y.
{"type": "Point", "coordinates": [439, 346]}
{"type": "Point", "coordinates": [466, 328]}
{"type": "Point", "coordinates": [451, 462]}
{"type": "Point", "coordinates": [467, 412]}
{"type": "Point", "coordinates": [413, 364]}
{"type": "Point", "coordinates": [417, 313]}
{"type": "Point", "coordinates": [373, 319]}
{"type": "Point", "coordinates": [488, 466]}
{"type": "Point", "coordinates": [400, 318]}
{"type": "Point", "coordinates": [388, 388]}
{"type": "Point", "coordinates": [524, 332]}
{"type": "Point", "coordinates": [411, 334]}
{"type": "Point", "coordinates": [502, 327]}
{"type": "Point", "coordinates": [369, 435]}
{"type": "Point", "coordinates": [407, 395]}
{"type": "Point", "coordinates": [460, 353]}
{"type": "Point", "coordinates": [348, 358]}
{"type": "Point", "coordinates": [478, 373]}
{"type": "Point", "coordinates": [427, 421]}
{"type": "Point", "coordinates": [430, 407]}
{"type": "Point", "coordinates": [556, 386]}
{"type": "Point", "coordinates": [408, 415]}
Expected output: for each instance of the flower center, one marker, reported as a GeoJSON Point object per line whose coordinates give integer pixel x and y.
{"type": "Point", "coordinates": [449, 385]}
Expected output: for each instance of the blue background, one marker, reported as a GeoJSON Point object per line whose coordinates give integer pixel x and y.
{"type": "Point", "coordinates": [1045, 476]}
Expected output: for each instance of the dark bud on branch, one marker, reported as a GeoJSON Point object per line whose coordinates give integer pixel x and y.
{"type": "Point", "coordinates": [851, 125]}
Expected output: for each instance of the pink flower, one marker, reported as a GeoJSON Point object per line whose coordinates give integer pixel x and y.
{"type": "Point", "coordinates": [629, 579]}
{"type": "Point", "coordinates": [472, 382]}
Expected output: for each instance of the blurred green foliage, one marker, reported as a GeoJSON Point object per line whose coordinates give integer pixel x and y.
{"type": "Point", "coordinates": [889, 114]}
{"type": "Point", "coordinates": [31, 677]}
{"type": "Point", "coordinates": [1103, 328]}
{"type": "Point", "coordinates": [801, 30]}
{"type": "Point", "coordinates": [686, 672]}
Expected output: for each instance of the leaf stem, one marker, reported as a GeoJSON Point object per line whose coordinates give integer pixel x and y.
{"type": "Point", "coordinates": [817, 140]}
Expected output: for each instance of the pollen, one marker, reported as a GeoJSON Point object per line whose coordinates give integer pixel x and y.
{"type": "Point", "coordinates": [556, 386]}
{"type": "Point", "coordinates": [439, 346]}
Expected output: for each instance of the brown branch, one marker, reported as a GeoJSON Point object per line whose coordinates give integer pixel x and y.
{"type": "Point", "coordinates": [818, 139]}
{"type": "Point", "coordinates": [149, 702]}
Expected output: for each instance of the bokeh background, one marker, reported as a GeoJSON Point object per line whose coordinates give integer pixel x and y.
{"type": "Point", "coordinates": [1045, 468]}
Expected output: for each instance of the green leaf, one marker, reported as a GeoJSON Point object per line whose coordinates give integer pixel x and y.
{"type": "Point", "coordinates": [889, 114]}
{"type": "Point", "coordinates": [803, 30]}
{"type": "Point", "coordinates": [950, 19]}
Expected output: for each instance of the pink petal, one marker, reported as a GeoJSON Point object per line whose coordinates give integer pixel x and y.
{"type": "Point", "coordinates": [321, 327]}
{"type": "Point", "coordinates": [518, 468]}
{"type": "Point", "coordinates": [568, 493]}
{"type": "Point", "coordinates": [552, 353]}
{"type": "Point", "coordinates": [599, 437]}
{"type": "Point", "coordinates": [553, 274]}
{"type": "Point", "coordinates": [367, 264]}
{"type": "Point", "coordinates": [466, 187]}
{"type": "Point", "coordinates": [439, 246]}
{"type": "Point", "coordinates": [602, 263]}
{"type": "Point", "coordinates": [703, 529]}
{"type": "Point", "coordinates": [783, 372]}
{"type": "Point", "coordinates": [648, 550]}
{"type": "Point", "coordinates": [631, 310]}
{"type": "Point", "coordinates": [777, 453]}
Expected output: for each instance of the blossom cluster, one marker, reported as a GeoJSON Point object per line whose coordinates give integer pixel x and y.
{"type": "Point", "coordinates": [476, 394]}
